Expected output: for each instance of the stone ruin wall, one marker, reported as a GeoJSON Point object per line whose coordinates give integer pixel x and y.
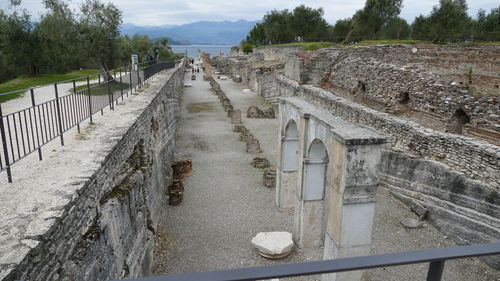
{"type": "Point", "coordinates": [454, 178]}
{"type": "Point", "coordinates": [426, 89]}
{"type": "Point", "coordinates": [107, 230]}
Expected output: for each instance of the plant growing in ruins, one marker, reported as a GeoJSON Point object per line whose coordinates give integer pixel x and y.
{"type": "Point", "coordinates": [247, 47]}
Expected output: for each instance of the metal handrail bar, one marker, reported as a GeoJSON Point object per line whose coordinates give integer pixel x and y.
{"type": "Point", "coordinates": [436, 257]}
{"type": "Point", "coordinates": [27, 130]}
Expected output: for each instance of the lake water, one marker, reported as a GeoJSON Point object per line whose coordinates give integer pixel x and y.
{"type": "Point", "coordinates": [192, 50]}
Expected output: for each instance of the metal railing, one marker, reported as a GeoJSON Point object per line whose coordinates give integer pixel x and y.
{"type": "Point", "coordinates": [27, 130]}
{"type": "Point", "coordinates": [435, 257]}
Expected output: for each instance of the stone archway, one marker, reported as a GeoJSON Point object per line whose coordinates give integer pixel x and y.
{"type": "Point", "coordinates": [457, 121]}
{"type": "Point", "coordinates": [289, 163]}
{"type": "Point", "coordinates": [311, 227]}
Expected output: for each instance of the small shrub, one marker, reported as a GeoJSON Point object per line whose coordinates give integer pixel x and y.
{"type": "Point", "coordinates": [247, 48]}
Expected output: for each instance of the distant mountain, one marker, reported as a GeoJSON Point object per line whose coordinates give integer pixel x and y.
{"type": "Point", "coordinates": [202, 32]}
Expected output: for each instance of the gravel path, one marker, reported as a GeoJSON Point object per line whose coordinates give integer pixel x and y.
{"type": "Point", "coordinates": [225, 203]}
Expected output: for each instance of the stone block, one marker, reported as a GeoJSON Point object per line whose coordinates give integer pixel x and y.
{"type": "Point", "coordinates": [270, 177]}
{"type": "Point", "coordinates": [239, 128]}
{"type": "Point", "coordinates": [273, 245]}
{"type": "Point", "coordinates": [255, 112]}
{"type": "Point", "coordinates": [246, 136]}
{"type": "Point", "coordinates": [260, 162]}
{"type": "Point", "coordinates": [236, 116]}
{"type": "Point", "coordinates": [253, 146]}
{"type": "Point", "coordinates": [175, 193]}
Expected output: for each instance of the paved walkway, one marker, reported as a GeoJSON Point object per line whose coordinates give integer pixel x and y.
{"type": "Point", "coordinates": [225, 203]}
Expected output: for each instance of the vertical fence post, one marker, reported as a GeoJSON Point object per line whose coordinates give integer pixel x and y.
{"type": "Point", "coordinates": [32, 93]}
{"type": "Point", "coordinates": [4, 144]}
{"type": "Point", "coordinates": [59, 119]}
{"type": "Point", "coordinates": [90, 99]}
{"type": "Point", "coordinates": [74, 92]}
{"type": "Point", "coordinates": [99, 78]}
{"type": "Point", "coordinates": [435, 271]}
{"type": "Point", "coordinates": [138, 77]}
{"type": "Point", "coordinates": [121, 85]}
{"type": "Point", "coordinates": [110, 97]}
{"type": "Point", "coordinates": [130, 79]}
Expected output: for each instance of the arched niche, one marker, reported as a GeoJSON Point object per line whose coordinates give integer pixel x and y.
{"type": "Point", "coordinates": [290, 147]}
{"type": "Point", "coordinates": [315, 171]}
{"type": "Point", "coordinates": [457, 121]}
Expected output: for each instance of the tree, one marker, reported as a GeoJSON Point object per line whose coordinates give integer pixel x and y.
{"type": "Point", "coordinates": [421, 28]}
{"type": "Point", "coordinates": [396, 28]}
{"type": "Point", "coordinates": [18, 42]}
{"type": "Point", "coordinates": [59, 39]}
{"type": "Point", "coordinates": [449, 20]}
{"type": "Point", "coordinates": [257, 35]}
{"type": "Point", "coordinates": [341, 29]}
{"type": "Point", "coordinates": [99, 27]}
{"type": "Point", "coordinates": [308, 23]}
{"type": "Point", "coordinates": [375, 15]}
{"type": "Point", "coordinates": [487, 27]}
{"type": "Point", "coordinates": [277, 27]}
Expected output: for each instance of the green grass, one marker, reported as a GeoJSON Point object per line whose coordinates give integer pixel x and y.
{"type": "Point", "coordinates": [390, 42]}
{"type": "Point", "coordinates": [312, 46]}
{"type": "Point", "coordinates": [475, 43]}
{"type": "Point", "coordinates": [24, 82]}
{"type": "Point", "coordinates": [102, 89]}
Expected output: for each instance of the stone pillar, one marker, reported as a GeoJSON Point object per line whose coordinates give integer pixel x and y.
{"type": "Point", "coordinates": [302, 229]}
{"type": "Point", "coordinates": [236, 116]}
{"type": "Point", "coordinates": [351, 202]}
{"type": "Point", "coordinates": [286, 179]}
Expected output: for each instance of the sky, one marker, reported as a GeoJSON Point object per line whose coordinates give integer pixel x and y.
{"type": "Point", "coordinates": [175, 12]}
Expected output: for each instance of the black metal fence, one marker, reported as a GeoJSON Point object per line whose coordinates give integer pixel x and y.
{"type": "Point", "coordinates": [25, 131]}
{"type": "Point", "coordinates": [435, 257]}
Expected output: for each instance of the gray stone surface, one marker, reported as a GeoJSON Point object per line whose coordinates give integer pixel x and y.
{"type": "Point", "coordinates": [88, 211]}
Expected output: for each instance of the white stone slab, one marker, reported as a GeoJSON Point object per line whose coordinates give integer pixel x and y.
{"type": "Point", "coordinates": [273, 245]}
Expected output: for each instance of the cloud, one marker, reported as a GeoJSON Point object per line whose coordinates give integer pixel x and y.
{"type": "Point", "coordinates": [161, 12]}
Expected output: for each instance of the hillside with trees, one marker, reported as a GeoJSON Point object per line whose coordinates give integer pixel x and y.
{"type": "Point", "coordinates": [63, 40]}
{"type": "Point", "coordinates": [378, 20]}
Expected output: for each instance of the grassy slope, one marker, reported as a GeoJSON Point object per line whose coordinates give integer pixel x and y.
{"type": "Point", "coordinates": [102, 89]}
{"type": "Point", "coordinates": [24, 82]}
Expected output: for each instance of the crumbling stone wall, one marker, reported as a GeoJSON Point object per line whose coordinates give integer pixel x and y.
{"type": "Point", "coordinates": [477, 159]}
{"type": "Point", "coordinates": [410, 81]}
{"type": "Point", "coordinates": [106, 231]}
{"type": "Point", "coordinates": [464, 209]}
{"type": "Point", "coordinates": [454, 177]}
